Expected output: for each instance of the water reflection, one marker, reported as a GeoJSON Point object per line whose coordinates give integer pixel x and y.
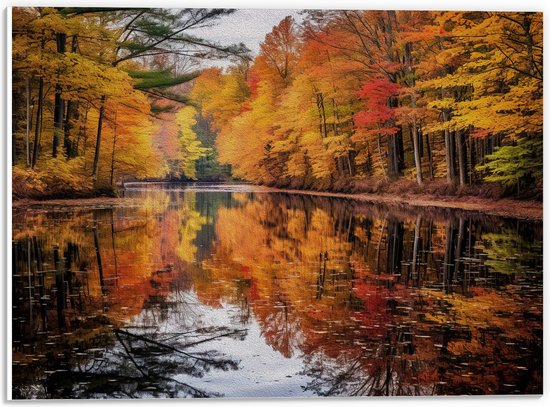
{"type": "Point", "coordinates": [348, 299]}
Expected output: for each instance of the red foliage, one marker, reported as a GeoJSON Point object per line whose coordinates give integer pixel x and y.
{"type": "Point", "coordinates": [377, 114]}
{"type": "Point", "coordinates": [479, 133]}
{"type": "Point", "coordinates": [253, 80]}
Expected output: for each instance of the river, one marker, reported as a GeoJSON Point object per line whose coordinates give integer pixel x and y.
{"type": "Point", "coordinates": [228, 290]}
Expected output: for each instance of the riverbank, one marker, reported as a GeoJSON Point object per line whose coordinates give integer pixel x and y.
{"type": "Point", "coordinates": [84, 203]}
{"type": "Point", "coordinates": [522, 209]}
{"type": "Point", "coordinates": [531, 210]}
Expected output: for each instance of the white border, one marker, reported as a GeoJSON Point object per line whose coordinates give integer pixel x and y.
{"type": "Point", "coordinates": [9, 188]}
{"type": "Point", "coordinates": [6, 216]}
{"type": "Point", "coordinates": [5, 180]}
{"type": "Point", "coordinates": [493, 5]}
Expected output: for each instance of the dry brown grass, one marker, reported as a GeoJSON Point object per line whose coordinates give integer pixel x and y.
{"type": "Point", "coordinates": [436, 188]}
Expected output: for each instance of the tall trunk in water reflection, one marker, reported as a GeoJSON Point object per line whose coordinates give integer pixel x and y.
{"type": "Point", "coordinates": [60, 288]}
{"type": "Point", "coordinates": [30, 280]}
{"type": "Point", "coordinates": [113, 240]}
{"type": "Point", "coordinates": [322, 274]}
{"type": "Point", "coordinates": [448, 262]}
{"type": "Point", "coordinates": [461, 236]}
{"type": "Point", "coordinates": [416, 247]}
{"type": "Point", "coordinates": [98, 257]}
{"type": "Point", "coordinates": [471, 256]}
{"type": "Point", "coordinates": [69, 256]}
{"type": "Point", "coordinates": [41, 289]}
{"type": "Point", "coordinates": [16, 330]}
{"type": "Point", "coordinates": [394, 246]}
{"type": "Point", "coordinates": [379, 245]}
{"type": "Point", "coordinates": [427, 251]}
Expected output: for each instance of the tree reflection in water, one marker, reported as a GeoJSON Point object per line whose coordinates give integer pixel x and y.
{"type": "Point", "coordinates": [369, 300]}
{"type": "Point", "coordinates": [87, 356]}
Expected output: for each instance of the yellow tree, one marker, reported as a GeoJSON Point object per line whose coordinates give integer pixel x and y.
{"type": "Point", "coordinates": [191, 149]}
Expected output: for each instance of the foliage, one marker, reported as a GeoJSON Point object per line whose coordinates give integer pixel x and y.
{"type": "Point", "coordinates": [515, 165]}
{"type": "Point", "coordinates": [346, 97]}
{"type": "Point", "coordinates": [55, 177]}
{"type": "Point", "coordinates": [86, 86]}
{"type": "Point", "coordinates": [191, 148]}
{"type": "Point", "coordinates": [399, 93]}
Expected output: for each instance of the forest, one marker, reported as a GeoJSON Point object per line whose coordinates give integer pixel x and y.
{"type": "Point", "coordinates": [353, 101]}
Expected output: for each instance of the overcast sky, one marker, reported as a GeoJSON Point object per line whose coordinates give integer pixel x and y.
{"type": "Point", "coordinates": [248, 26]}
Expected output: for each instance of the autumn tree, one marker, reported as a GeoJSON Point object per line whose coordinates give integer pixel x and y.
{"type": "Point", "coordinates": [379, 117]}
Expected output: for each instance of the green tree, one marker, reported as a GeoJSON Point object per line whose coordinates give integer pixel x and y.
{"type": "Point", "coordinates": [516, 166]}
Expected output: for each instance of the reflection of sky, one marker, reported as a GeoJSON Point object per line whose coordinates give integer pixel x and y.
{"type": "Point", "coordinates": [262, 372]}
{"type": "Point", "coordinates": [248, 26]}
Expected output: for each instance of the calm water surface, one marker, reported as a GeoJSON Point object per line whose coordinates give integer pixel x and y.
{"type": "Point", "coordinates": [205, 291]}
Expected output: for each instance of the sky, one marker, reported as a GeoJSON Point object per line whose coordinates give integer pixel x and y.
{"type": "Point", "coordinates": [248, 26]}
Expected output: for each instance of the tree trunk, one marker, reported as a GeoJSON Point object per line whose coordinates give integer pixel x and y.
{"type": "Point", "coordinates": [67, 144]}
{"type": "Point", "coordinates": [38, 124]}
{"type": "Point", "coordinates": [61, 39]}
{"type": "Point", "coordinates": [18, 101]}
{"type": "Point", "coordinates": [449, 153]}
{"type": "Point", "coordinates": [392, 172]}
{"type": "Point", "coordinates": [336, 125]}
{"type": "Point", "coordinates": [430, 156]}
{"type": "Point", "coordinates": [13, 138]}
{"type": "Point", "coordinates": [417, 159]}
{"type": "Point", "coordinates": [57, 120]}
{"type": "Point", "coordinates": [322, 114]}
{"type": "Point", "coordinates": [400, 149]}
{"type": "Point", "coordinates": [380, 156]}
{"type": "Point", "coordinates": [473, 147]}
{"type": "Point", "coordinates": [66, 130]}
{"type": "Point", "coordinates": [350, 165]}
{"type": "Point", "coordinates": [461, 151]}
{"type": "Point", "coordinates": [395, 146]}
{"type": "Point", "coordinates": [84, 133]}
{"type": "Point", "coordinates": [98, 139]}
{"type": "Point", "coordinates": [113, 153]}
{"type": "Point", "coordinates": [393, 155]}
{"type": "Point", "coordinates": [28, 128]}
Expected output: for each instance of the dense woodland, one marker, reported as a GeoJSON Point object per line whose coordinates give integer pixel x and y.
{"type": "Point", "coordinates": [344, 100]}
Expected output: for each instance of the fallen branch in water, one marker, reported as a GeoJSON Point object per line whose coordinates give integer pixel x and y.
{"type": "Point", "coordinates": [235, 332]}
{"type": "Point", "coordinates": [172, 348]}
